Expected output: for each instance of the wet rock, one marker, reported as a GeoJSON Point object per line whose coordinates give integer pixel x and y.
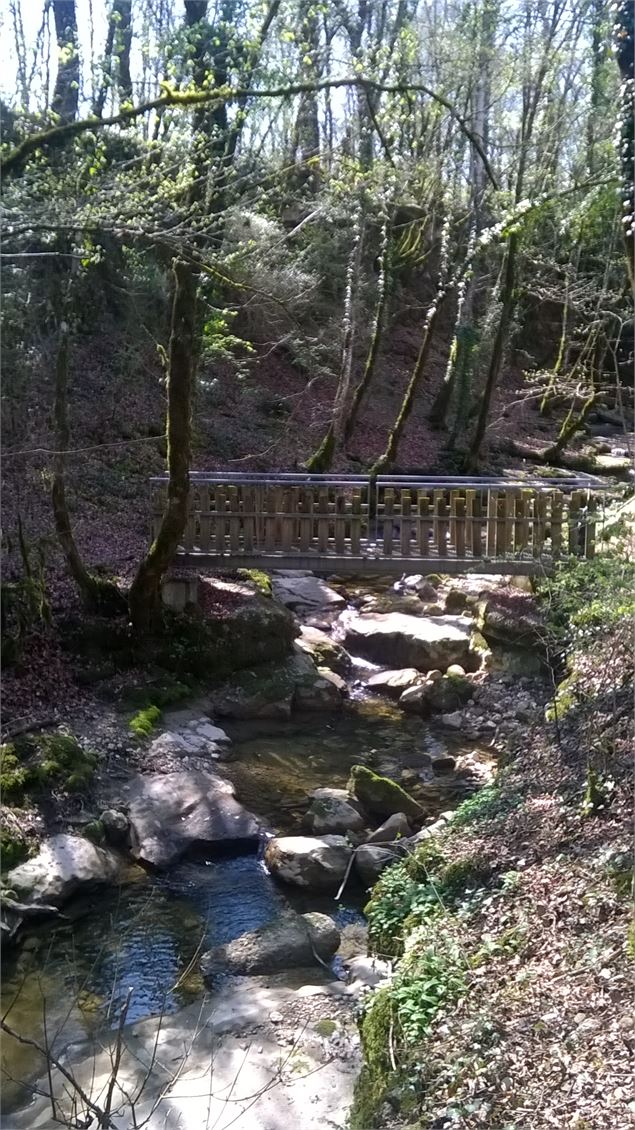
{"type": "Point", "coordinates": [272, 692]}
{"type": "Point", "coordinates": [444, 764]}
{"type": "Point", "coordinates": [304, 591]}
{"type": "Point", "coordinates": [333, 811]}
{"type": "Point", "coordinates": [64, 866]}
{"type": "Point", "coordinates": [325, 691]}
{"type": "Point", "coordinates": [393, 683]}
{"type": "Point", "coordinates": [453, 721]}
{"type": "Point", "coordinates": [368, 971]}
{"type": "Point", "coordinates": [393, 828]}
{"type": "Point", "coordinates": [421, 585]}
{"type": "Point", "coordinates": [116, 827]}
{"type": "Point", "coordinates": [324, 651]}
{"type": "Point", "coordinates": [455, 601]}
{"type": "Point", "coordinates": [380, 796]}
{"type": "Point", "coordinates": [371, 860]}
{"type": "Point", "coordinates": [173, 813]}
{"type": "Point", "coordinates": [306, 861]}
{"type": "Point", "coordinates": [291, 941]}
{"type": "Point", "coordinates": [408, 641]}
{"type": "Point", "coordinates": [441, 695]}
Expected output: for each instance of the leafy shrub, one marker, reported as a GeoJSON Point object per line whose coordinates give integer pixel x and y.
{"type": "Point", "coordinates": [486, 804]}
{"type": "Point", "coordinates": [590, 597]}
{"type": "Point", "coordinates": [13, 775]}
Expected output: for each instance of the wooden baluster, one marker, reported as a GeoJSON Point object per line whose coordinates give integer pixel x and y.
{"type": "Point", "coordinates": [424, 522]}
{"type": "Point", "coordinates": [508, 522]}
{"type": "Point", "coordinates": [270, 519]}
{"type": "Point", "coordinates": [406, 523]}
{"type": "Point", "coordinates": [286, 522]}
{"type": "Point", "coordinates": [591, 518]}
{"type": "Point", "coordinates": [437, 529]}
{"type": "Point", "coordinates": [234, 519]}
{"type": "Point", "coordinates": [540, 522]}
{"type": "Point", "coordinates": [323, 520]}
{"type": "Point", "coordinates": [451, 549]}
{"type": "Point", "coordinates": [220, 520]}
{"type": "Point", "coordinates": [306, 519]}
{"type": "Point", "coordinates": [249, 518]}
{"type": "Point", "coordinates": [470, 521]}
{"type": "Point", "coordinates": [389, 506]}
{"type": "Point", "coordinates": [520, 530]}
{"type": "Point", "coordinates": [460, 507]}
{"type": "Point", "coordinates": [575, 503]}
{"type": "Point", "coordinates": [295, 525]}
{"type": "Point", "coordinates": [556, 524]}
{"type": "Point", "coordinates": [356, 522]}
{"type": "Point", "coordinates": [204, 520]}
{"type": "Point", "coordinates": [189, 533]}
{"type": "Point", "coordinates": [340, 521]}
{"type": "Point", "coordinates": [492, 515]}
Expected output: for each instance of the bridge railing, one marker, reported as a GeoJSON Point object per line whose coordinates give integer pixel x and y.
{"type": "Point", "coordinates": [292, 516]}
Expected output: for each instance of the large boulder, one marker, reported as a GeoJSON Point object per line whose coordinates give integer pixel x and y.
{"type": "Point", "coordinates": [290, 941]}
{"type": "Point", "coordinates": [409, 641]}
{"type": "Point", "coordinates": [394, 828]}
{"type": "Point", "coordinates": [371, 860]}
{"type": "Point", "coordinates": [380, 796]}
{"type": "Point", "coordinates": [440, 696]}
{"type": "Point", "coordinates": [304, 592]}
{"type": "Point", "coordinates": [333, 811]}
{"type": "Point", "coordinates": [511, 618]}
{"type": "Point", "coordinates": [64, 866]}
{"type": "Point", "coordinates": [324, 651]}
{"type": "Point", "coordinates": [171, 814]}
{"type": "Point", "coordinates": [305, 861]}
{"type": "Point", "coordinates": [274, 691]}
{"type": "Point", "coordinates": [393, 683]}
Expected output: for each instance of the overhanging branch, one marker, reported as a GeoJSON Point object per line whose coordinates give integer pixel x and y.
{"type": "Point", "coordinates": [57, 135]}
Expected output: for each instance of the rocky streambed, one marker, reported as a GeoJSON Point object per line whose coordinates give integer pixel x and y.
{"type": "Point", "coordinates": [221, 904]}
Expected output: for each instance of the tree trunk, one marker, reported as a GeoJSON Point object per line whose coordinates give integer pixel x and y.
{"type": "Point", "coordinates": [145, 593]}
{"type": "Point", "coordinates": [66, 93]}
{"type": "Point", "coordinates": [377, 332]}
{"type": "Point", "coordinates": [498, 350]}
{"type": "Point", "coordinates": [385, 461]}
{"type": "Point", "coordinates": [117, 51]}
{"type": "Point", "coordinates": [96, 594]}
{"type": "Point", "coordinates": [624, 38]}
{"type": "Point", "coordinates": [321, 460]}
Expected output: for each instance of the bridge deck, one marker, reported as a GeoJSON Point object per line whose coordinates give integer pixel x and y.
{"type": "Point", "coordinates": [349, 524]}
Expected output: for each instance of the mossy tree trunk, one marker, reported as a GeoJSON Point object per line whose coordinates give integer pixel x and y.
{"type": "Point", "coordinates": [379, 320]}
{"type": "Point", "coordinates": [145, 593]}
{"type": "Point", "coordinates": [389, 456]}
{"type": "Point", "coordinates": [498, 350]}
{"type": "Point", "coordinates": [96, 593]}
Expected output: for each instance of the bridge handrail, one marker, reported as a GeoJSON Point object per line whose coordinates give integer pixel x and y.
{"type": "Point", "coordinates": [485, 482]}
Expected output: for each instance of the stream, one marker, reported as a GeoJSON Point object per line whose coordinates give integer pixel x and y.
{"type": "Point", "coordinates": [146, 935]}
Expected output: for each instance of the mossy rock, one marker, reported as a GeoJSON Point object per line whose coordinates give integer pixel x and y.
{"type": "Point", "coordinates": [566, 698]}
{"type": "Point", "coordinates": [380, 796]}
{"type": "Point", "coordinates": [39, 761]}
{"type": "Point", "coordinates": [261, 580]}
{"type": "Point", "coordinates": [14, 847]}
{"type": "Point", "coordinates": [161, 693]}
{"type": "Point", "coordinates": [376, 1076]}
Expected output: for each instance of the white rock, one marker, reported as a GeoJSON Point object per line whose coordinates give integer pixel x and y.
{"type": "Point", "coordinates": [64, 866]}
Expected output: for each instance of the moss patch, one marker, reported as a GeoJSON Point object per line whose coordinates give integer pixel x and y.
{"type": "Point", "coordinates": [144, 722]}
{"type": "Point", "coordinates": [13, 775]}
{"type": "Point", "coordinates": [261, 580]}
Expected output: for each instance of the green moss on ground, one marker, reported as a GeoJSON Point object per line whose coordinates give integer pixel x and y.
{"type": "Point", "coordinates": [143, 723]}
{"type": "Point", "coordinates": [36, 762]}
{"type": "Point", "coordinates": [261, 580]}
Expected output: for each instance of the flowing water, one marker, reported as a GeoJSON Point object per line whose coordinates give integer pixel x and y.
{"type": "Point", "coordinates": [147, 934]}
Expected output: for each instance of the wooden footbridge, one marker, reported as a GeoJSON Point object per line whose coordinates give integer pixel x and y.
{"type": "Point", "coordinates": [352, 524]}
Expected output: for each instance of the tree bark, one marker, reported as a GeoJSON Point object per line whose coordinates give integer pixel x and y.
{"type": "Point", "coordinates": [145, 593]}
{"type": "Point", "coordinates": [624, 40]}
{"type": "Point", "coordinates": [117, 51]}
{"type": "Point", "coordinates": [498, 350]}
{"type": "Point", "coordinates": [377, 332]}
{"type": "Point", "coordinates": [96, 594]}
{"type": "Point", "coordinates": [66, 93]}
